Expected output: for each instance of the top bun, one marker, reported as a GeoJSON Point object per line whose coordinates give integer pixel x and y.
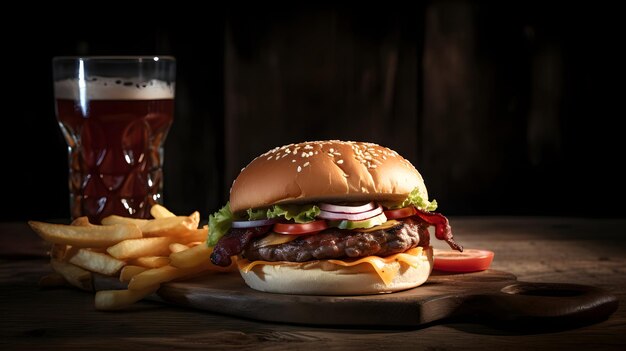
{"type": "Point", "coordinates": [325, 171]}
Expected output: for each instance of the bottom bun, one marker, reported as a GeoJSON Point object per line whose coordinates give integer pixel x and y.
{"type": "Point", "coordinates": [325, 278]}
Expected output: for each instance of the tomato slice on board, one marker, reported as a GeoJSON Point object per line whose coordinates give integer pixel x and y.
{"type": "Point", "coordinates": [300, 228]}
{"type": "Point", "coordinates": [400, 213]}
{"type": "Point", "coordinates": [470, 260]}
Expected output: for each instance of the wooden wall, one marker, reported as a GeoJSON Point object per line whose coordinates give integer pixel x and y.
{"type": "Point", "coordinates": [505, 108]}
{"type": "Point", "coordinates": [314, 75]}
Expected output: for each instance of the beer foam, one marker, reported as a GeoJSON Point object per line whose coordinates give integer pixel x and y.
{"type": "Point", "coordinates": [101, 88]}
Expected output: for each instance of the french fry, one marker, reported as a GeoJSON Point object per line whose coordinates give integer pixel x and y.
{"type": "Point", "coordinates": [115, 219]}
{"type": "Point", "coordinates": [158, 250]}
{"type": "Point", "coordinates": [178, 247]}
{"type": "Point", "coordinates": [85, 236]}
{"type": "Point", "coordinates": [81, 221]}
{"type": "Point", "coordinates": [100, 249]}
{"type": "Point", "coordinates": [193, 235]}
{"type": "Point", "coordinates": [128, 272]}
{"type": "Point", "coordinates": [117, 299]}
{"type": "Point", "coordinates": [133, 248]}
{"type": "Point", "coordinates": [151, 261]}
{"type": "Point", "coordinates": [76, 276]}
{"type": "Point", "coordinates": [52, 280]}
{"type": "Point", "coordinates": [58, 251]}
{"type": "Point", "coordinates": [158, 211]}
{"type": "Point", "coordinates": [96, 262]}
{"type": "Point", "coordinates": [195, 218]}
{"type": "Point", "coordinates": [169, 226]}
{"type": "Point", "coordinates": [163, 274]}
{"type": "Point", "coordinates": [166, 226]}
{"type": "Point", "coordinates": [195, 256]}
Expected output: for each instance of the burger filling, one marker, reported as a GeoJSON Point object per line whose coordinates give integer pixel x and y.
{"type": "Point", "coordinates": [308, 233]}
{"type": "Point", "coordinates": [341, 243]}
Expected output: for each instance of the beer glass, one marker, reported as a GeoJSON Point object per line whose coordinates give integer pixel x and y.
{"type": "Point", "coordinates": [114, 113]}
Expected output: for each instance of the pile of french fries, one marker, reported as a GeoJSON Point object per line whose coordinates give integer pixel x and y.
{"type": "Point", "coordinates": [144, 253]}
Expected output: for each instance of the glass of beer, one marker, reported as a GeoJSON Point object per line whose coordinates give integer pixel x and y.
{"type": "Point", "coordinates": [115, 113]}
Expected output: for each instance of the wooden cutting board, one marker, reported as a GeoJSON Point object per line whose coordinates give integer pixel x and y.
{"type": "Point", "coordinates": [485, 297]}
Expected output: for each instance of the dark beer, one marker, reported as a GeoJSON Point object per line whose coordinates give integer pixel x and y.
{"type": "Point", "coordinates": [115, 135]}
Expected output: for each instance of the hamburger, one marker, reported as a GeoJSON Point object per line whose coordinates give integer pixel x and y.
{"type": "Point", "coordinates": [328, 218]}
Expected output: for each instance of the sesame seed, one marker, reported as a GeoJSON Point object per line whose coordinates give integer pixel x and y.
{"type": "Point", "coordinates": [384, 157]}
{"type": "Point", "coordinates": [269, 158]}
{"type": "Point", "coordinates": [288, 151]}
{"type": "Point", "coordinates": [332, 150]}
{"type": "Point", "coordinates": [299, 169]}
{"type": "Point", "coordinates": [306, 164]}
{"type": "Point", "coordinates": [304, 154]}
{"type": "Point", "coordinates": [310, 153]}
{"type": "Point", "coordinates": [340, 162]}
{"type": "Point", "coordinates": [316, 152]}
{"type": "Point", "coordinates": [337, 153]}
{"type": "Point", "coordinates": [308, 147]}
{"type": "Point", "coordinates": [292, 161]}
{"type": "Point", "coordinates": [373, 166]}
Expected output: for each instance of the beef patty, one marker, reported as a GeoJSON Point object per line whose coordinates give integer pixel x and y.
{"type": "Point", "coordinates": [338, 243]}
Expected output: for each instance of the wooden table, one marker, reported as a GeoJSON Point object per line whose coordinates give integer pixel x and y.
{"type": "Point", "coordinates": [583, 251]}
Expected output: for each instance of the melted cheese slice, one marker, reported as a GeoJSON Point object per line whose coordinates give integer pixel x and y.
{"type": "Point", "coordinates": [389, 224]}
{"type": "Point", "coordinates": [386, 267]}
{"type": "Point", "coordinates": [274, 239]}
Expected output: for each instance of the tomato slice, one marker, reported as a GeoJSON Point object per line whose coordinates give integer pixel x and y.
{"type": "Point", "coordinates": [300, 228]}
{"type": "Point", "coordinates": [470, 260]}
{"type": "Point", "coordinates": [400, 213]}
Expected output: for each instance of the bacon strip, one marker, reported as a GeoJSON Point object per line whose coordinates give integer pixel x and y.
{"type": "Point", "coordinates": [233, 243]}
{"type": "Point", "coordinates": [443, 231]}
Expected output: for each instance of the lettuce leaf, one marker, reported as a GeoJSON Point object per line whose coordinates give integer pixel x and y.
{"type": "Point", "coordinates": [220, 221]}
{"type": "Point", "coordinates": [219, 224]}
{"type": "Point", "coordinates": [415, 199]}
{"type": "Point", "coordinates": [254, 215]}
{"type": "Point", "coordinates": [299, 213]}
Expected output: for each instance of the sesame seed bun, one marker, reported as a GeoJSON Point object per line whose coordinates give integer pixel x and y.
{"type": "Point", "coordinates": [325, 171]}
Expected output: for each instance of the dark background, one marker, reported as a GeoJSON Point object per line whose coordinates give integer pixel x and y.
{"type": "Point", "coordinates": [505, 109]}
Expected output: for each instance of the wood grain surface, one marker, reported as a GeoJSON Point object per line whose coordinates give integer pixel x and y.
{"type": "Point", "coordinates": [481, 297]}
{"type": "Point", "coordinates": [582, 251]}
